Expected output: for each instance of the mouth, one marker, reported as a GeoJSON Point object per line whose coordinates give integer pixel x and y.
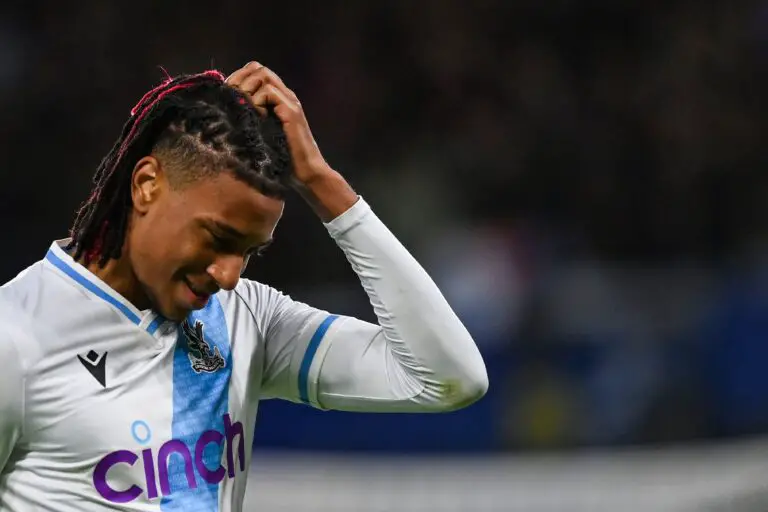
{"type": "Point", "coordinates": [198, 298]}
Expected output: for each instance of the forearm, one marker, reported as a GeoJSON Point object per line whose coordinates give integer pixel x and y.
{"type": "Point", "coordinates": [424, 352]}
{"type": "Point", "coordinates": [419, 333]}
{"type": "Point", "coordinates": [327, 193]}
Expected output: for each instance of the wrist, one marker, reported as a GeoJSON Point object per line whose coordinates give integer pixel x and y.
{"type": "Point", "coordinates": [312, 175]}
{"type": "Point", "coordinates": [327, 193]}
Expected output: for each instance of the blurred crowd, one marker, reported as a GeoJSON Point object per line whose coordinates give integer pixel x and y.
{"type": "Point", "coordinates": [586, 180]}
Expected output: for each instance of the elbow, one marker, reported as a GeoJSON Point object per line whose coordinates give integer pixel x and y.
{"type": "Point", "coordinates": [479, 384]}
{"type": "Point", "coordinates": [468, 389]}
{"type": "Point", "coordinates": [474, 380]}
{"type": "Point", "coordinates": [474, 387]}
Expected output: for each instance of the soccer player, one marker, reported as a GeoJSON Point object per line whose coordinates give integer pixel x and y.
{"type": "Point", "coordinates": [134, 355]}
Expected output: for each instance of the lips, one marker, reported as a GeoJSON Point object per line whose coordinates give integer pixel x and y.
{"type": "Point", "coordinates": [198, 298]}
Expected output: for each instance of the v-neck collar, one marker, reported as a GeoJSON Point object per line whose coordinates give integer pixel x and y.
{"type": "Point", "coordinates": [148, 320]}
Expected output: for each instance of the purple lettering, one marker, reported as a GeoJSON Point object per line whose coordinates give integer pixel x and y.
{"type": "Point", "coordinates": [149, 473]}
{"type": "Point", "coordinates": [169, 448]}
{"type": "Point", "coordinates": [100, 477]}
{"type": "Point", "coordinates": [211, 476]}
{"type": "Point", "coordinates": [172, 478]}
{"type": "Point", "coordinates": [230, 431]}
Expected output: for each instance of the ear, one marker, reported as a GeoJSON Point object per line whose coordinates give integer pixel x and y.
{"type": "Point", "coordinates": [146, 183]}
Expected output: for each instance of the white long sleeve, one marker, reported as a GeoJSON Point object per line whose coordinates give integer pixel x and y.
{"type": "Point", "coordinates": [420, 356]}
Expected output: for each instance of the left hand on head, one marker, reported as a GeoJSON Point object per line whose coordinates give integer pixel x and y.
{"type": "Point", "coordinates": [265, 88]}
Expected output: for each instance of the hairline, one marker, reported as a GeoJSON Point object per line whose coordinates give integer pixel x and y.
{"type": "Point", "coordinates": [189, 170]}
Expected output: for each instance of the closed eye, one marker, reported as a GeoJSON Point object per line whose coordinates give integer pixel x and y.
{"type": "Point", "coordinates": [221, 244]}
{"type": "Point", "coordinates": [230, 244]}
{"type": "Point", "coordinates": [259, 251]}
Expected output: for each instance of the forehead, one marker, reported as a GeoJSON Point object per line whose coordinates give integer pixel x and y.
{"type": "Point", "coordinates": [225, 199]}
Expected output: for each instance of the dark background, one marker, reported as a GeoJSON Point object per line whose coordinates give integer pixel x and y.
{"type": "Point", "coordinates": [586, 180]}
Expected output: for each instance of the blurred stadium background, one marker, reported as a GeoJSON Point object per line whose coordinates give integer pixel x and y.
{"type": "Point", "coordinates": [586, 180]}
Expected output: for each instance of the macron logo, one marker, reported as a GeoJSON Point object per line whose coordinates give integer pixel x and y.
{"type": "Point", "coordinates": [96, 365]}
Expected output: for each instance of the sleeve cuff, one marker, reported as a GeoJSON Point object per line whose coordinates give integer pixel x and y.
{"type": "Point", "coordinates": [349, 219]}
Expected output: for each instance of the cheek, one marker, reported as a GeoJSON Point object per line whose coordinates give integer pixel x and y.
{"type": "Point", "coordinates": [159, 251]}
{"type": "Point", "coordinates": [185, 255]}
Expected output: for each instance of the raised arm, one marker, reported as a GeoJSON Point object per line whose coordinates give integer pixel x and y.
{"type": "Point", "coordinates": [418, 357]}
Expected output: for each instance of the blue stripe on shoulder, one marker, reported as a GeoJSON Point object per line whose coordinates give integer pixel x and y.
{"type": "Point", "coordinates": [309, 355]}
{"type": "Point", "coordinates": [154, 324]}
{"type": "Point", "coordinates": [90, 286]}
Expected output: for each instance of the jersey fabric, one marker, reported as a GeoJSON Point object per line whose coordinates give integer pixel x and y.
{"type": "Point", "coordinates": [105, 407]}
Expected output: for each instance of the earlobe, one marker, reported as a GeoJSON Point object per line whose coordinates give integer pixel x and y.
{"type": "Point", "coordinates": [144, 183]}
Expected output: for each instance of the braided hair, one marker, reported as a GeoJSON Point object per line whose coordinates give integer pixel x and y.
{"type": "Point", "coordinates": [204, 126]}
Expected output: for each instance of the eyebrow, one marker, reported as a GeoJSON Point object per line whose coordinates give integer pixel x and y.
{"type": "Point", "coordinates": [229, 230]}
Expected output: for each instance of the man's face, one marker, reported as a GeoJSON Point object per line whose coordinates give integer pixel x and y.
{"type": "Point", "coordinates": [186, 243]}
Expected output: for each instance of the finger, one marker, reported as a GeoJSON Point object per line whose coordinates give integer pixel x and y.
{"type": "Point", "coordinates": [267, 95]}
{"type": "Point", "coordinates": [270, 94]}
{"type": "Point", "coordinates": [251, 83]}
{"type": "Point", "coordinates": [238, 76]}
{"type": "Point", "coordinates": [272, 78]}
{"type": "Point", "coordinates": [261, 110]}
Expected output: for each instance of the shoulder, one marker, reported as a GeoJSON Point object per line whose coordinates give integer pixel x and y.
{"type": "Point", "coordinates": [249, 290]}
{"type": "Point", "coordinates": [20, 305]}
{"type": "Point", "coordinates": [15, 362]}
{"type": "Point", "coordinates": [24, 282]}
{"type": "Point", "coordinates": [15, 337]}
{"type": "Point", "coordinates": [263, 294]}
{"type": "Point", "coordinates": [252, 309]}
{"type": "Point", "coordinates": [30, 290]}
{"type": "Point", "coordinates": [249, 302]}
{"type": "Point", "coordinates": [265, 303]}
{"type": "Point", "coordinates": [261, 300]}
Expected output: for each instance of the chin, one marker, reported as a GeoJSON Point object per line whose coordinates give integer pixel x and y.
{"type": "Point", "coordinates": [175, 313]}
{"type": "Point", "coordinates": [177, 316]}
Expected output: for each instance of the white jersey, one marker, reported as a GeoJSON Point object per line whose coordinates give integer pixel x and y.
{"type": "Point", "coordinates": [105, 407]}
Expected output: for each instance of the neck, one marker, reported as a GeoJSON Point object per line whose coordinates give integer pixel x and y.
{"type": "Point", "coordinates": [119, 275]}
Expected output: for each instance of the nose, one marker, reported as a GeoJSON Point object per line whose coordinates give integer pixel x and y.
{"type": "Point", "coordinates": [226, 271]}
